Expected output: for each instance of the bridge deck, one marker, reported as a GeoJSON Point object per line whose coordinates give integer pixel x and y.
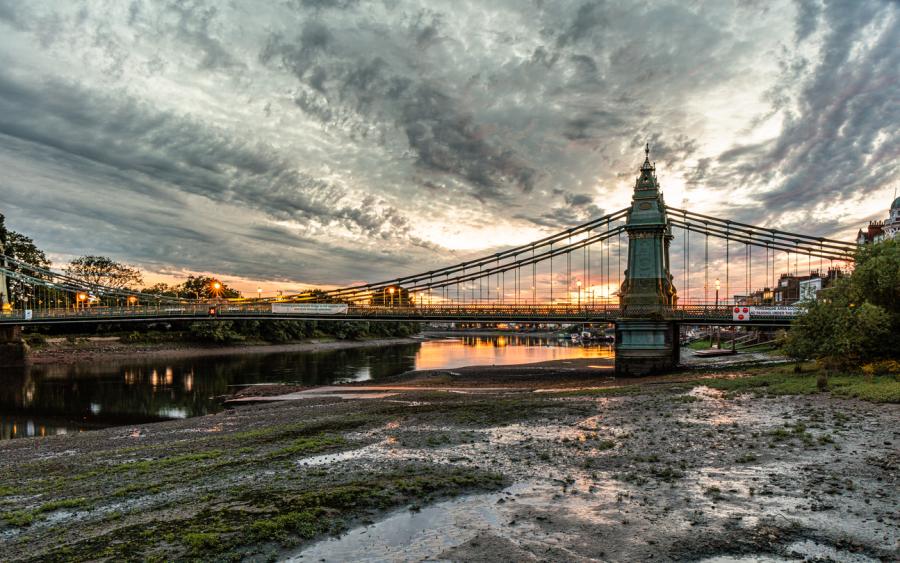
{"type": "Point", "coordinates": [428, 313]}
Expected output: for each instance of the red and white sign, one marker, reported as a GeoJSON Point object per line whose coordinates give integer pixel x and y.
{"type": "Point", "coordinates": [740, 313]}
{"type": "Point", "coordinates": [743, 312]}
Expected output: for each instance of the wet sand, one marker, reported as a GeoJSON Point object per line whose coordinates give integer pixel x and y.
{"type": "Point", "coordinates": [548, 469]}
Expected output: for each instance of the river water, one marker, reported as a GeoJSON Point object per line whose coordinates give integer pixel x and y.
{"type": "Point", "coordinates": [58, 399]}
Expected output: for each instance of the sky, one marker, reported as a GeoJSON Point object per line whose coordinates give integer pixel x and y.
{"type": "Point", "coordinates": [296, 143]}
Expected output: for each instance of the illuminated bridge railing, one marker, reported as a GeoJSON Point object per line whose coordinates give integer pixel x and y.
{"type": "Point", "coordinates": [460, 312]}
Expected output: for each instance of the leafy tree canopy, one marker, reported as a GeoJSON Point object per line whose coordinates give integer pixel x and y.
{"type": "Point", "coordinates": [104, 271]}
{"type": "Point", "coordinates": [857, 320]}
{"type": "Point", "coordinates": [164, 289]}
{"type": "Point", "coordinates": [21, 247]}
{"type": "Point", "coordinates": [204, 287]}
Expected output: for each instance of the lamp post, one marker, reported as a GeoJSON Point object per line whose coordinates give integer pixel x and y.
{"type": "Point", "coordinates": [718, 333]}
{"type": "Point", "coordinates": [81, 299]}
{"type": "Point", "coordinates": [578, 283]}
{"type": "Point", "coordinates": [391, 291]}
{"type": "Point", "coordinates": [259, 293]}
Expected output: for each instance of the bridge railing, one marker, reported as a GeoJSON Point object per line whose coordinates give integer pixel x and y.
{"type": "Point", "coordinates": [413, 312]}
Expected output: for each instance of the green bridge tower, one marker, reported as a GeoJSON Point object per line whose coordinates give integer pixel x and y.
{"type": "Point", "coordinates": [647, 339]}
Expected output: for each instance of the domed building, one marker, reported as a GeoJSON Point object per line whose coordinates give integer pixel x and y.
{"type": "Point", "coordinates": [878, 231]}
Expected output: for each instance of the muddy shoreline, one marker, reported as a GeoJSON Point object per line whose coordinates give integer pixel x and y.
{"type": "Point", "coordinates": [58, 351]}
{"type": "Point", "coordinates": [671, 469]}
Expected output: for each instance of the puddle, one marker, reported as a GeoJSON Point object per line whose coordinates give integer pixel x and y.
{"type": "Point", "coordinates": [411, 536]}
{"type": "Point", "coordinates": [424, 535]}
{"type": "Point", "coordinates": [810, 550]}
{"type": "Point", "coordinates": [328, 459]}
{"type": "Point", "coordinates": [746, 559]}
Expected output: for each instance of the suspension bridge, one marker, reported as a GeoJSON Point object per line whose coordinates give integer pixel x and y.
{"type": "Point", "coordinates": [621, 268]}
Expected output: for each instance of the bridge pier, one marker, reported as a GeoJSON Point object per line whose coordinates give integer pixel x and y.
{"type": "Point", "coordinates": [645, 347]}
{"type": "Point", "coordinates": [13, 349]}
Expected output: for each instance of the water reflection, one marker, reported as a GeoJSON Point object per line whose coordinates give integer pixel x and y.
{"type": "Point", "coordinates": [502, 351]}
{"type": "Point", "coordinates": [55, 399]}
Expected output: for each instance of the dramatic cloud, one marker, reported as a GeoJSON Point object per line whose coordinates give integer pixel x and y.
{"type": "Point", "coordinates": [333, 141]}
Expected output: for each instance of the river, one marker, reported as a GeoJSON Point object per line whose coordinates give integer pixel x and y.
{"type": "Point", "coordinates": [58, 399]}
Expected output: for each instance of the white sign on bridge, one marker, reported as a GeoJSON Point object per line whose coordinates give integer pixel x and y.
{"type": "Point", "coordinates": [740, 313]}
{"type": "Point", "coordinates": [309, 308]}
{"type": "Point", "coordinates": [743, 312]}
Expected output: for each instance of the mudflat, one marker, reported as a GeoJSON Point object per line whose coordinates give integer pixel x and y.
{"type": "Point", "coordinates": [85, 350]}
{"type": "Point", "coordinates": [542, 463]}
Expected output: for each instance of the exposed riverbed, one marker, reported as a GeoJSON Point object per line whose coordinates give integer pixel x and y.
{"type": "Point", "coordinates": [666, 470]}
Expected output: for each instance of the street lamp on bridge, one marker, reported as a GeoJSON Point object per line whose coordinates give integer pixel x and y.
{"type": "Point", "coordinates": [717, 294]}
{"type": "Point", "coordinates": [578, 283]}
{"type": "Point", "coordinates": [391, 291]}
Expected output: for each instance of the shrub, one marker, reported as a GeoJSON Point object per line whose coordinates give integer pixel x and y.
{"type": "Point", "coordinates": [883, 367]}
{"type": "Point", "coordinates": [35, 339]}
{"type": "Point", "coordinates": [217, 332]}
{"type": "Point", "coordinates": [858, 320]}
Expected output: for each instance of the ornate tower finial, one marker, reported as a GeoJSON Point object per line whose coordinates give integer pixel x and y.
{"type": "Point", "coordinates": [647, 150]}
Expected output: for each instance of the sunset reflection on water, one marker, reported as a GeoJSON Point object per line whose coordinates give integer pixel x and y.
{"type": "Point", "coordinates": [502, 350]}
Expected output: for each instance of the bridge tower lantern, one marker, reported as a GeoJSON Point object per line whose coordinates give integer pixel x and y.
{"type": "Point", "coordinates": [646, 338]}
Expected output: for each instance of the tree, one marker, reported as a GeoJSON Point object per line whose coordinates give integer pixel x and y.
{"type": "Point", "coordinates": [163, 289]}
{"type": "Point", "coordinates": [203, 287]}
{"type": "Point", "coordinates": [857, 320]}
{"type": "Point", "coordinates": [20, 247]}
{"type": "Point", "coordinates": [100, 270]}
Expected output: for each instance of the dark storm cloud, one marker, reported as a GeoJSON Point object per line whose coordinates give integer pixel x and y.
{"type": "Point", "coordinates": [62, 218]}
{"type": "Point", "coordinates": [198, 158]}
{"type": "Point", "coordinates": [577, 209]}
{"type": "Point", "coordinates": [326, 4]}
{"type": "Point", "coordinates": [807, 18]}
{"type": "Point", "coordinates": [589, 17]}
{"type": "Point", "coordinates": [843, 140]}
{"type": "Point", "coordinates": [444, 137]}
{"type": "Point", "coordinates": [307, 121]}
{"type": "Point", "coordinates": [194, 24]}
{"type": "Point", "coordinates": [594, 124]}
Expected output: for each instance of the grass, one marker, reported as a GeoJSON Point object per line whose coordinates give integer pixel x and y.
{"type": "Point", "coordinates": [23, 518]}
{"type": "Point", "coordinates": [146, 466]}
{"type": "Point", "coordinates": [466, 411]}
{"type": "Point", "coordinates": [19, 518]}
{"type": "Point", "coordinates": [782, 380]}
{"type": "Point", "coordinates": [620, 391]}
{"type": "Point", "coordinates": [63, 503]}
{"type": "Point", "coordinates": [309, 445]}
